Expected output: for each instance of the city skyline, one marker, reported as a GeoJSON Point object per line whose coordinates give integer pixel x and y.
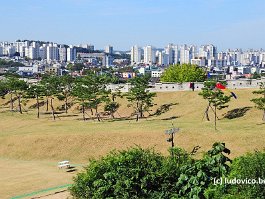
{"type": "Point", "coordinates": [122, 24]}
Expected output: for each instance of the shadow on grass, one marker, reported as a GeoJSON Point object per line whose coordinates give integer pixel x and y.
{"type": "Point", "coordinates": [71, 169]}
{"type": "Point", "coordinates": [122, 119]}
{"type": "Point", "coordinates": [55, 112]}
{"type": "Point", "coordinates": [33, 106]}
{"type": "Point", "coordinates": [69, 115]}
{"type": "Point", "coordinates": [236, 113]}
{"type": "Point", "coordinates": [163, 109]}
{"type": "Point", "coordinates": [171, 118]}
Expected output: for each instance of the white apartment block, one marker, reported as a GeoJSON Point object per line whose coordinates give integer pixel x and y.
{"type": "Point", "coordinates": [169, 50]}
{"type": "Point", "coordinates": [149, 55]}
{"type": "Point", "coordinates": [185, 55]}
{"type": "Point", "coordinates": [62, 54]}
{"type": "Point", "coordinates": [136, 54]}
{"type": "Point", "coordinates": [176, 55]}
{"type": "Point", "coordinates": [163, 58]}
{"type": "Point", "coordinates": [43, 51]}
{"type": "Point", "coordinates": [71, 54]}
{"type": "Point", "coordinates": [52, 52]}
{"type": "Point", "coordinates": [109, 49]}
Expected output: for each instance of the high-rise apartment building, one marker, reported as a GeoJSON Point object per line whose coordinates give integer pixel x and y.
{"type": "Point", "coordinates": [71, 53]}
{"type": "Point", "coordinates": [163, 58]}
{"type": "Point", "coordinates": [185, 55]}
{"type": "Point", "coordinates": [149, 55]}
{"type": "Point", "coordinates": [136, 54]}
{"type": "Point", "coordinates": [109, 49]}
{"type": "Point", "coordinates": [52, 52]}
{"type": "Point", "coordinates": [62, 53]}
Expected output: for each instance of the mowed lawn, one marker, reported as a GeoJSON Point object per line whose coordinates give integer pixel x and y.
{"type": "Point", "coordinates": [24, 138]}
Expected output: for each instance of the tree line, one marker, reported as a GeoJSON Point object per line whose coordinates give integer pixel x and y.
{"type": "Point", "coordinates": [89, 92]}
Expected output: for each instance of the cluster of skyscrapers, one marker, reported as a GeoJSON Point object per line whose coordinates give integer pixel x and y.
{"type": "Point", "coordinates": [205, 55]}
{"type": "Point", "coordinates": [38, 50]}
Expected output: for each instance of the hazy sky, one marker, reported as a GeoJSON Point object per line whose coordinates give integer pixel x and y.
{"type": "Point", "coordinates": [123, 23]}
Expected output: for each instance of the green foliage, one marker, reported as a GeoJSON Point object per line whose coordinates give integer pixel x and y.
{"type": "Point", "coordinates": [141, 99]}
{"type": "Point", "coordinates": [260, 101]}
{"type": "Point", "coordinates": [247, 167]}
{"type": "Point", "coordinates": [215, 98]}
{"type": "Point", "coordinates": [196, 176]}
{"type": "Point", "coordinates": [76, 66]}
{"type": "Point", "coordinates": [3, 88]}
{"type": "Point", "coordinates": [142, 173]}
{"type": "Point", "coordinates": [4, 63]}
{"type": "Point", "coordinates": [111, 107]}
{"type": "Point", "coordinates": [184, 73]}
{"type": "Point", "coordinates": [91, 91]}
{"type": "Point", "coordinates": [256, 76]}
{"type": "Point", "coordinates": [125, 174]}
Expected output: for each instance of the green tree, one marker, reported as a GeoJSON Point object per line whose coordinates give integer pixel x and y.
{"type": "Point", "coordinates": [139, 97]}
{"type": "Point", "coordinates": [183, 73]}
{"type": "Point", "coordinates": [256, 75]}
{"type": "Point", "coordinates": [51, 85]}
{"type": "Point", "coordinates": [91, 91]}
{"type": "Point", "coordinates": [65, 87]}
{"type": "Point", "coordinates": [260, 101]}
{"type": "Point", "coordinates": [215, 98]}
{"type": "Point", "coordinates": [3, 88]}
{"type": "Point", "coordinates": [15, 87]}
{"type": "Point", "coordinates": [36, 91]}
{"type": "Point", "coordinates": [206, 93]}
{"type": "Point", "coordinates": [111, 107]}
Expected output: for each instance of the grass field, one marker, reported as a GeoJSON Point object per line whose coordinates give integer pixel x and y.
{"type": "Point", "coordinates": [35, 144]}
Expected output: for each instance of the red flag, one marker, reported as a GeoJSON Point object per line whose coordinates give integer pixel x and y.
{"type": "Point", "coordinates": [220, 86]}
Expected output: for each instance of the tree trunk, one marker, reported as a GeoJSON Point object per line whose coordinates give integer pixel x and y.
{"type": "Point", "coordinates": [65, 105]}
{"type": "Point", "coordinates": [19, 104]}
{"type": "Point", "coordinates": [11, 102]}
{"type": "Point", "coordinates": [112, 115]}
{"type": "Point", "coordinates": [137, 117]}
{"type": "Point", "coordinates": [47, 104]}
{"type": "Point", "coordinates": [207, 112]}
{"type": "Point", "coordinates": [141, 111]}
{"type": "Point", "coordinates": [137, 111]}
{"type": "Point", "coordinates": [215, 118]}
{"type": "Point", "coordinates": [83, 111]}
{"type": "Point", "coordinates": [97, 114]}
{"type": "Point", "coordinates": [38, 107]}
{"type": "Point", "coordinates": [53, 114]}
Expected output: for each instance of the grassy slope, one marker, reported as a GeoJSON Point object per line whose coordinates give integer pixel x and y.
{"type": "Point", "coordinates": [30, 147]}
{"type": "Point", "coordinates": [27, 138]}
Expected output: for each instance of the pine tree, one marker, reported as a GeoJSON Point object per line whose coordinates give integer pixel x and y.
{"type": "Point", "coordinates": [260, 101]}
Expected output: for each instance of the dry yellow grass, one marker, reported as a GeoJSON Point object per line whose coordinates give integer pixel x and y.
{"type": "Point", "coordinates": [23, 137]}
{"type": "Point", "coordinates": [21, 177]}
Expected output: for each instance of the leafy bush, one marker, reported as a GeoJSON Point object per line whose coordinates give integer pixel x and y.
{"type": "Point", "coordinates": [247, 167]}
{"type": "Point", "coordinates": [126, 174]}
{"type": "Point", "coordinates": [143, 173]}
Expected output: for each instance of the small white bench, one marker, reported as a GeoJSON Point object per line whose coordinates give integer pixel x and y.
{"type": "Point", "coordinates": [63, 164]}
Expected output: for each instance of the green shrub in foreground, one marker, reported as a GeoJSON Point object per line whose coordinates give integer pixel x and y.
{"type": "Point", "coordinates": [143, 173]}
{"type": "Point", "coordinates": [247, 167]}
